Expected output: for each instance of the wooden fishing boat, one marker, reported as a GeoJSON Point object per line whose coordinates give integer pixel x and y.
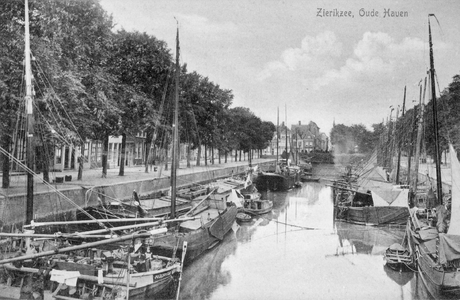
{"type": "Point", "coordinates": [282, 176]}
{"type": "Point", "coordinates": [253, 205]}
{"type": "Point", "coordinates": [437, 244]}
{"type": "Point", "coordinates": [371, 200]}
{"type": "Point", "coordinates": [399, 258]}
{"type": "Point", "coordinates": [308, 178]}
{"type": "Point", "coordinates": [359, 208]}
{"type": "Point", "coordinates": [214, 220]}
{"type": "Point", "coordinates": [214, 217]}
{"type": "Point", "coordinates": [85, 270]}
{"type": "Point", "coordinates": [242, 217]}
{"type": "Point", "coordinates": [136, 208]}
{"type": "Point", "coordinates": [277, 181]}
{"type": "Point", "coordinates": [436, 249]}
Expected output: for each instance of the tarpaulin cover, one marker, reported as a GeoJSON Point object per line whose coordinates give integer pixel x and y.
{"type": "Point", "coordinates": [428, 234]}
{"type": "Point", "coordinates": [393, 197]}
{"type": "Point", "coordinates": [68, 277]}
{"type": "Point", "coordinates": [449, 247]}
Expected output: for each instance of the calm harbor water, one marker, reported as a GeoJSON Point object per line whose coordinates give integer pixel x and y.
{"type": "Point", "coordinates": [299, 252]}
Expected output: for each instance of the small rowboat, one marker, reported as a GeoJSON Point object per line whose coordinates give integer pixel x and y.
{"type": "Point", "coordinates": [242, 217]}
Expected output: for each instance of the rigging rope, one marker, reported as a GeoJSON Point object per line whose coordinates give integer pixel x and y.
{"type": "Point", "coordinates": [59, 100]}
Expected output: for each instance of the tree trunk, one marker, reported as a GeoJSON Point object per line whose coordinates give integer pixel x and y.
{"type": "Point", "coordinates": [226, 154]}
{"type": "Point", "coordinates": [198, 156]}
{"type": "Point", "coordinates": [205, 155]}
{"type": "Point", "coordinates": [6, 162]}
{"type": "Point", "coordinates": [81, 160]}
{"type": "Point", "coordinates": [123, 155]}
{"type": "Point", "coordinates": [250, 157]}
{"type": "Point", "coordinates": [147, 152]}
{"type": "Point", "coordinates": [105, 151]}
{"type": "Point", "coordinates": [212, 155]}
{"type": "Point", "coordinates": [219, 157]}
{"type": "Point", "coordinates": [188, 155]}
{"type": "Point", "coordinates": [236, 155]}
{"type": "Point", "coordinates": [240, 155]}
{"type": "Point", "coordinates": [166, 156]}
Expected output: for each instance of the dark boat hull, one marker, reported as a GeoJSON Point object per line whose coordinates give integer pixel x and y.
{"type": "Point", "coordinates": [373, 215]}
{"type": "Point", "coordinates": [438, 281]}
{"type": "Point", "coordinates": [276, 182]}
{"type": "Point", "coordinates": [199, 240]}
{"type": "Point", "coordinates": [308, 179]}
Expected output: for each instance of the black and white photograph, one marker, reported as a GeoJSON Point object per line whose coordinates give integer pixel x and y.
{"type": "Point", "coordinates": [229, 149]}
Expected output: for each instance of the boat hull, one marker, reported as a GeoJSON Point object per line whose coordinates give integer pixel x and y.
{"type": "Point", "coordinates": [276, 182]}
{"type": "Point", "coordinates": [152, 284]}
{"type": "Point", "coordinates": [199, 240]}
{"type": "Point", "coordinates": [256, 212]}
{"type": "Point", "coordinates": [373, 215]}
{"type": "Point", "coordinates": [437, 281]}
{"type": "Point", "coordinates": [308, 179]}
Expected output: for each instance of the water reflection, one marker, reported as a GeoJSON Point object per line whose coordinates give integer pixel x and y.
{"type": "Point", "coordinates": [299, 252]}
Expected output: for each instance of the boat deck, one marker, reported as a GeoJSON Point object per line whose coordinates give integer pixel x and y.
{"type": "Point", "coordinates": [205, 215]}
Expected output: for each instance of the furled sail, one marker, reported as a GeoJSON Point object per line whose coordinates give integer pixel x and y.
{"type": "Point", "coordinates": [454, 227]}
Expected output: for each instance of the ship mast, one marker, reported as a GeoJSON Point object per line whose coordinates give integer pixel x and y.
{"type": "Point", "coordinates": [419, 137]}
{"type": "Point", "coordinates": [285, 119]}
{"type": "Point", "coordinates": [277, 134]}
{"type": "Point", "coordinates": [399, 135]}
{"type": "Point", "coordinates": [29, 119]}
{"type": "Point", "coordinates": [435, 120]}
{"type": "Point", "coordinates": [175, 151]}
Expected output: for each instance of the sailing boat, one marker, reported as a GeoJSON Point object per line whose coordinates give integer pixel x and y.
{"type": "Point", "coordinates": [104, 274]}
{"type": "Point", "coordinates": [213, 217]}
{"type": "Point", "coordinates": [375, 202]}
{"type": "Point", "coordinates": [127, 273]}
{"type": "Point", "coordinates": [437, 249]}
{"type": "Point", "coordinates": [284, 177]}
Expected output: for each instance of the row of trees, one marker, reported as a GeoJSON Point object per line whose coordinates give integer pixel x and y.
{"type": "Point", "coordinates": [403, 131]}
{"type": "Point", "coordinates": [348, 139]}
{"type": "Point", "coordinates": [92, 83]}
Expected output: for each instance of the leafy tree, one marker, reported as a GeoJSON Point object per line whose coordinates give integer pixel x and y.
{"type": "Point", "coordinates": [11, 57]}
{"type": "Point", "coordinates": [141, 63]}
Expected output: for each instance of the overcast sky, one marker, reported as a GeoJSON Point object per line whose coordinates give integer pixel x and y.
{"type": "Point", "coordinates": [282, 54]}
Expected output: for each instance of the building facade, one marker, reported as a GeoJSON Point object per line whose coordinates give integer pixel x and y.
{"type": "Point", "coordinates": [300, 138]}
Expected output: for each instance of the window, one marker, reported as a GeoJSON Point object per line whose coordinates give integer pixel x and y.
{"type": "Point", "coordinates": [110, 152]}
{"type": "Point", "coordinates": [58, 155]}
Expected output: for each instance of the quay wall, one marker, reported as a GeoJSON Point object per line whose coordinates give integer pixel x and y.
{"type": "Point", "coordinates": [62, 205]}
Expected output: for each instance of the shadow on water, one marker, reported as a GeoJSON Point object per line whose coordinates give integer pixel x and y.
{"type": "Point", "coordinates": [299, 252]}
{"type": "Point", "coordinates": [205, 274]}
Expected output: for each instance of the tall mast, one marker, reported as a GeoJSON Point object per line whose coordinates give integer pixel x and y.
{"type": "Point", "coordinates": [285, 121]}
{"type": "Point", "coordinates": [30, 121]}
{"type": "Point", "coordinates": [175, 133]}
{"type": "Point", "coordinates": [296, 149]}
{"type": "Point", "coordinates": [435, 120]}
{"type": "Point", "coordinates": [400, 140]}
{"type": "Point", "coordinates": [419, 139]}
{"type": "Point", "coordinates": [277, 133]}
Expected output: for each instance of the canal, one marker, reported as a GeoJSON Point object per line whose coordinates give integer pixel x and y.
{"type": "Point", "coordinates": [299, 252]}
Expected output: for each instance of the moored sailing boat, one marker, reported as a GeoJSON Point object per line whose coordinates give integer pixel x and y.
{"type": "Point", "coordinates": [437, 253]}
{"type": "Point", "coordinates": [375, 202]}
{"type": "Point", "coordinates": [283, 177]}
{"type": "Point", "coordinates": [130, 272]}
{"type": "Point", "coordinates": [111, 276]}
{"type": "Point", "coordinates": [214, 218]}
{"type": "Point", "coordinates": [437, 247]}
